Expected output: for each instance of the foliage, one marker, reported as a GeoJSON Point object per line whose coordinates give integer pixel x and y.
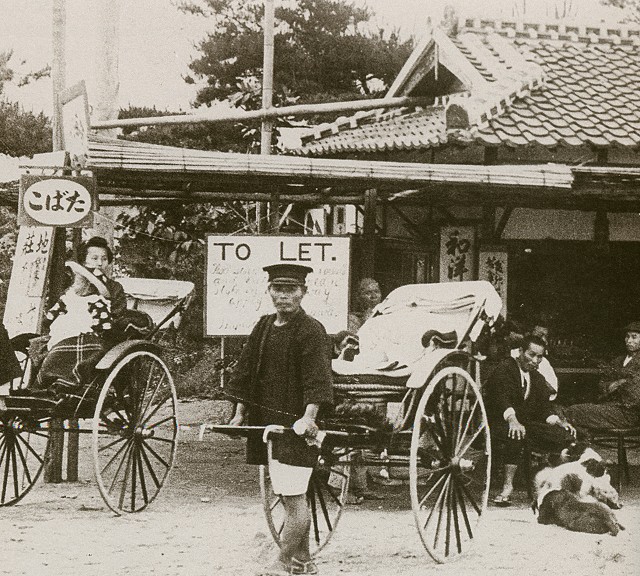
{"type": "Point", "coordinates": [631, 9]}
{"type": "Point", "coordinates": [222, 136]}
{"type": "Point", "coordinates": [23, 133]}
{"type": "Point", "coordinates": [321, 46]}
{"type": "Point", "coordinates": [169, 242]}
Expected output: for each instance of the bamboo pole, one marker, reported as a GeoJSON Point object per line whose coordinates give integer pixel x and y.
{"type": "Point", "coordinates": [245, 115]}
{"type": "Point", "coordinates": [266, 131]}
{"type": "Point", "coordinates": [53, 467]}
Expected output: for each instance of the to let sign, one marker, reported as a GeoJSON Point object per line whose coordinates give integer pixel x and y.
{"type": "Point", "coordinates": [236, 284]}
{"type": "Point", "coordinates": [56, 201]}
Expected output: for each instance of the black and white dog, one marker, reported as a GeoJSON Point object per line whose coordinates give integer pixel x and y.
{"type": "Point", "coordinates": [577, 493]}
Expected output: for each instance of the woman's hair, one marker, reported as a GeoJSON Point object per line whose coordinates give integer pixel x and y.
{"type": "Point", "coordinates": [95, 242]}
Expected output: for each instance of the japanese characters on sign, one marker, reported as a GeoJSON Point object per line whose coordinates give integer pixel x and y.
{"type": "Point", "coordinates": [56, 201]}
{"type": "Point", "coordinates": [28, 278]}
{"type": "Point", "coordinates": [74, 114]}
{"type": "Point", "coordinates": [457, 253]}
{"type": "Point", "coordinates": [236, 286]}
{"type": "Point", "coordinates": [492, 266]}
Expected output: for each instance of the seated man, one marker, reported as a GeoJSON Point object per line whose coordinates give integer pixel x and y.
{"type": "Point", "coordinates": [620, 392]}
{"type": "Point", "coordinates": [519, 409]}
{"type": "Point", "coordinates": [368, 297]}
{"type": "Point", "coordinates": [540, 329]}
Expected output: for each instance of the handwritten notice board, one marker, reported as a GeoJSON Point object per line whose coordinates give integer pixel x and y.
{"type": "Point", "coordinates": [236, 286]}
{"type": "Point", "coordinates": [25, 297]}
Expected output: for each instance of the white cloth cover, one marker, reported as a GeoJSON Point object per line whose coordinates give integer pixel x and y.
{"type": "Point", "coordinates": [391, 340]}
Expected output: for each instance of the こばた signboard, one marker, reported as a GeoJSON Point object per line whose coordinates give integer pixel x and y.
{"type": "Point", "coordinates": [56, 201]}
{"type": "Point", "coordinates": [236, 286]}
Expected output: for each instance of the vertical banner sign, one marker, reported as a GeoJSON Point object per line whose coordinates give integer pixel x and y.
{"type": "Point", "coordinates": [457, 253]}
{"type": "Point", "coordinates": [236, 286]}
{"type": "Point", "coordinates": [492, 266]}
{"type": "Point", "coordinates": [25, 300]}
{"type": "Point", "coordinates": [74, 117]}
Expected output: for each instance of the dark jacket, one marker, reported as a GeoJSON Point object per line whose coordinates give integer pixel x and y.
{"type": "Point", "coordinates": [309, 381]}
{"type": "Point", "coordinates": [504, 390]}
{"type": "Point", "coordinates": [628, 394]}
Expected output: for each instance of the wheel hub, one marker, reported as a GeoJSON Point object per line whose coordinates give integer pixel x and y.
{"type": "Point", "coordinates": [143, 433]}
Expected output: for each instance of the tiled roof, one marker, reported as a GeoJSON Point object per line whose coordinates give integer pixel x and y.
{"type": "Point", "coordinates": [590, 94]}
{"type": "Point", "coordinates": [396, 130]}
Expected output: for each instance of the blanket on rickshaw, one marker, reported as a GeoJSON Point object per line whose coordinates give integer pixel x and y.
{"type": "Point", "coordinates": [70, 364]}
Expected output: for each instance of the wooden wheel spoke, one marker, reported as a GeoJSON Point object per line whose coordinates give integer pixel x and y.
{"type": "Point", "coordinates": [116, 441]}
{"type": "Point", "coordinates": [468, 423]}
{"type": "Point", "coordinates": [123, 489]}
{"type": "Point", "coordinates": [134, 475]}
{"type": "Point", "coordinates": [471, 499]}
{"type": "Point", "coordinates": [147, 417]}
{"type": "Point", "coordinates": [473, 439]}
{"type": "Point", "coordinates": [165, 440]}
{"type": "Point", "coordinates": [4, 456]}
{"type": "Point", "coordinates": [25, 466]}
{"type": "Point", "coordinates": [443, 487]}
{"type": "Point", "coordinates": [338, 472]}
{"type": "Point", "coordinates": [146, 387]}
{"type": "Point", "coordinates": [323, 505]}
{"type": "Point", "coordinates": [447, 537]}
{"type": "Point", "coordinates": [277, 501]}
{"type": "Point", "coordinates": [314, 513]}
{"type": "Point", "coordinates": [460, 416]}
{"type": "Point", "coordinates": [33, 433]}
{"type": "Point", "coordinates": [30, 448]}
{"type": "Point", "coordinates": [112, 459]}
{"type": "Point", "coordinates": [156, 455]}
{"type": "Point", "coordinates": [123, 422]}
{"type": "Point", "coordinates": [439, 504]}
{"type": "Point", "coordinates": [160, 422]}
{"type": "Point", "coordinates": [429, 429]}
{"type": "Point", "coordinates": [431, 490]}
{"type": "Point", "coordinates": [16, 481]}
{"type": "Point", "coordinates": [125, 455]}
{"type": "Point", "coordinates": [160, 383]}
{"type": "Point", "coordinates": [463, 509]}
{"type": "Point", "coordinates": [456, 520]}
{"type": "Point", "coordinates": [146, 375]}
{"type": "Point", "coordinates": [330, 491]}
{"type": "Point", "coordinates": [149, 466]}
{"type": "Point", "coordinates": [143, 484]}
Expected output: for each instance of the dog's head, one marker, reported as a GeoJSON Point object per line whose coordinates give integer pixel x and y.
{"type": "Point", "coordinates": [601, 487]}
{"type": "Point", "coordinates": [579, 452]}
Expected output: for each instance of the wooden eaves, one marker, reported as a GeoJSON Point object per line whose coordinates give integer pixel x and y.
{"type": "Point", "coordinates": [137, 173]}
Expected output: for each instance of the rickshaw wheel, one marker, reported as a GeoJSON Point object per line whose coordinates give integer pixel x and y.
{"type": "Point", "coordinates": [24, 449]}
{"type": "Point", "coordinates": [449, 464]}
{"type": "Point", "coordinates": [326, 497]}
{"type": "Point", "coordinates": [135, 432]}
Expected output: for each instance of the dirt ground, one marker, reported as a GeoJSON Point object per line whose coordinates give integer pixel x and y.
{"type": "Point", "coordinates": [208, 521]}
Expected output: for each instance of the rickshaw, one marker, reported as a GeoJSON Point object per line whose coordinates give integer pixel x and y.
{"type": "Point", "coordinates": [131, 402]}
{"type": "Point", "coordinates": [440, 431]}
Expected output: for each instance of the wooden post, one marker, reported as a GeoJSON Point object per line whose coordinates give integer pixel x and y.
{"type": "Point", "coordinates": [53, 468]}
{"type": "Point", "coordinates": [267, 99]}
{"type": "Point", "coordinates": [367, 266]}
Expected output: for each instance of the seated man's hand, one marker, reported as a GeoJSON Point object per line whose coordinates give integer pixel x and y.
{"type": "Point", "coordinates": [305, 427]}
{"type": "Point", "coordinates": [613, 386]}
{"type": "Point", "coordinates": [236, 420]}
{"type": "Point", "coordinates": [567, 426]}
{"type": "Point", "coordinates": [516, 430]}
{"type": "Point", "coordinates": [239, 416]}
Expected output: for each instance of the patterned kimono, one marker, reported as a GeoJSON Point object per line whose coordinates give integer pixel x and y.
{"type": "Point", "coordinates": [77, 325]}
